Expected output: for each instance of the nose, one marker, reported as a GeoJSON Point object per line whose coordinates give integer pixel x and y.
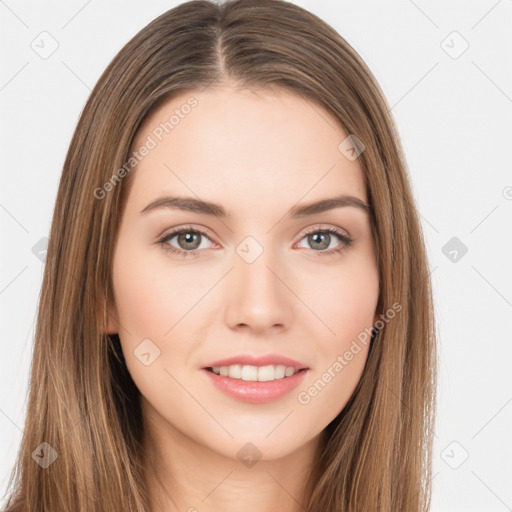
{"type": "Point", "coordinates": [259, 295]}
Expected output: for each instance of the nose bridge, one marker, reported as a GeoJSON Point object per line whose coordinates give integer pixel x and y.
{"type": "Point", "coordinates": [257, 297]}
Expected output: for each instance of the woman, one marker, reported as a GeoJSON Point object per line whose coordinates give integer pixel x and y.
{"type": "Point", "coordinates": [236, 307]}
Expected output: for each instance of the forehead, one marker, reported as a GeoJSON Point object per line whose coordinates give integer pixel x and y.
{"type": "Point", "coordinates": [243, 147]}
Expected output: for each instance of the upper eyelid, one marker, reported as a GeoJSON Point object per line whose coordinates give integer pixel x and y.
{"type": "Point", "coordinates": [205, 232]}
{"type": "Point", "coordinates": [176, 231]}
{"type": "Point", "coordinates": [322, 227]}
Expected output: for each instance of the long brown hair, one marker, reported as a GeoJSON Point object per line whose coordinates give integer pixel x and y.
{"type": "Point", "coordinates": [376, 454]}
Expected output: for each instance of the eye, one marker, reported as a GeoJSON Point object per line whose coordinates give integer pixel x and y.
{"type": "Point", "coordinates": [321, 238]}
{"type": "Point", "coordinates": [188, 240]}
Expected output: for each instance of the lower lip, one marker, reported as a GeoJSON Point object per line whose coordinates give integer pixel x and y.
{"type": "Point", "coordinates": [256, 392]}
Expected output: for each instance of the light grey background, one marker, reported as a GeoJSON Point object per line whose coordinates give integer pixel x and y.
{"type": "Point", "coordinates": [454, 114]}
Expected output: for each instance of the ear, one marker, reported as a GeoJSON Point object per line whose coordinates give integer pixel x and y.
{"type": "Point", "coordinates": [112, 322]}
{"type": "Point", "coordinates": [108, 316]}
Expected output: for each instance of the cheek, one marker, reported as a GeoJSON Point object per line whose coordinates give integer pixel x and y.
{"type": "Point", "coordinates": [151, 295]}
{"type": "Point", "coordinates": [344, 299]}
{"type": "Point", "coordinates": [151, 300]}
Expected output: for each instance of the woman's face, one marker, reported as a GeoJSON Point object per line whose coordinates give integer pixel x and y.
{"type": "Point", "coordinates": [248, 278]}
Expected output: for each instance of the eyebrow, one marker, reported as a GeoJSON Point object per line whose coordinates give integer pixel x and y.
{"type": "Point", "coordinates": [192, 204]}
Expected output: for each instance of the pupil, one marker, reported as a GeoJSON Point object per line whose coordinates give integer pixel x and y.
{"type": "Point", "coordinates": [325, 237]}
{"type": "Point", "coordinates": [187, 238]}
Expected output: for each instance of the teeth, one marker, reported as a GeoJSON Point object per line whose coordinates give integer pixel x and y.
{"type": "Point", "coordinates": [255, 373]}
{"type": "Point", "coordinates": [235, 371]}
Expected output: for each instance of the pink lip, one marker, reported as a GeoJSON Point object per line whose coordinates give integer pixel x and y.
{"type": "Point", "coordinates": [248, 359]}
{"type": "Point", "coordinates": [255, 392]}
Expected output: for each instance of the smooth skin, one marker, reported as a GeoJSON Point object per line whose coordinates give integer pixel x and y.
{"type": "Point", "coordinates": [257, 154]}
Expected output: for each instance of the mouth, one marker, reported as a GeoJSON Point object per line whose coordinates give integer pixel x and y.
{"type": "Point", "coordinates": [252, 384]}
{"type": "Point", "coordinates": [255, 379]}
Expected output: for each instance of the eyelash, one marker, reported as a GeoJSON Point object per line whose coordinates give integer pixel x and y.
{"type": "Point", "coordinates": [345, 240]}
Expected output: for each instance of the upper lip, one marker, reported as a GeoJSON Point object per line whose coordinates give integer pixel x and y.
{"type": "Point", "coordinates": [263, 360]}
